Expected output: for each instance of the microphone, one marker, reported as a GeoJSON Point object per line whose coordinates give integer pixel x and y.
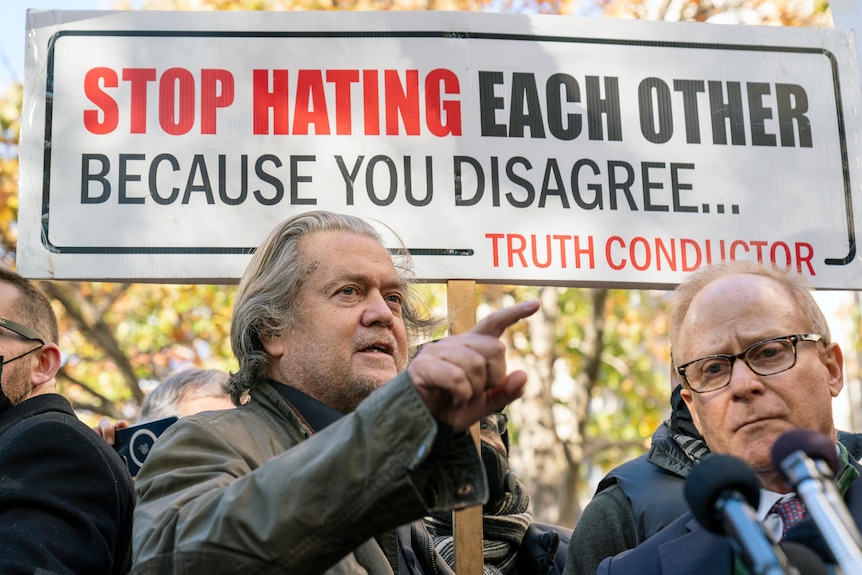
{"type": "Point", "coordinates": [723, 492]}
{"type": "Point", "coordinates": [807, 460]}
{"type": "Point", "coordinates": [806, 560]}
{"type": "Point", "coordinates": [807, 533]}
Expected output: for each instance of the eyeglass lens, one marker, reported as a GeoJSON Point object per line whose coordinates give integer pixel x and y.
{"type": "Point", "coordinates": [765, 358]}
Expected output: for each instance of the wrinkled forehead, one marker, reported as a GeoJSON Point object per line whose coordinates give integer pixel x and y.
{"type": "Point", "coordinates": [737, 308]}
{"type": "Point", "coordinates": [331, 256]}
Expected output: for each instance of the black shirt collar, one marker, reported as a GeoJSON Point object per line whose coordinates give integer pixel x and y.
{"type": "Point", "coordinates": [316, 413]}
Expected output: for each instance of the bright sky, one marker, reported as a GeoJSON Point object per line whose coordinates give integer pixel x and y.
{"type": "Point", "coordinates": [13, 28]}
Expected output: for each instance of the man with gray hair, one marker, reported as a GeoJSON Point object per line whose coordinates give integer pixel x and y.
{"type": "Point", "coordinates": [186, 392]}
{"type": "Point", "coordinates": [338, 445]}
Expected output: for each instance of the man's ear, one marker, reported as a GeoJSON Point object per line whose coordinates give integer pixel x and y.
{"type": "Point", "coordinates": [47, 364]}
{"type": "Point", "coordinates": [274, 345]}
{"type": "Point", "coordinates": [833, 359]}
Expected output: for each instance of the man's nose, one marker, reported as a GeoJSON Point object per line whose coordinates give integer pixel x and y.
{"type": "Point", "coordinates": [377, 310]}
{"type": "Point", "coordinates": [743, 380]}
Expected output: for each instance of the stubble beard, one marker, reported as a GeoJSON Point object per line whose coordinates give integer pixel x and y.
{"type": "Point", "coordinates": [354, 392]}
{"type": "Point", "coordinates": [334, 383]}
{"type": "Point", "coordinates": [355, 387]}
{"type": "Point", "coordinates": [17, 385]}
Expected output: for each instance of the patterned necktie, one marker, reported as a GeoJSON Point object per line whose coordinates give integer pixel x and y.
{"type": "Point", "coordinates": [791, 512]}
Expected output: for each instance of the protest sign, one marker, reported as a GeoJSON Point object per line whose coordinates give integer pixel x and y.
{"type": "Point", "coordinates": [163, 146]}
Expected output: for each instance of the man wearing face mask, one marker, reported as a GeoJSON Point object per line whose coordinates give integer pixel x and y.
{"type": "Point", "coordinates": [66, 499]}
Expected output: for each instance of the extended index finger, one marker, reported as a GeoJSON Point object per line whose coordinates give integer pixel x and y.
{"type": "Point", "coordinates": [497, 322]}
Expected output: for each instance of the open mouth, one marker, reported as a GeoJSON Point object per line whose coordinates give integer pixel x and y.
{"type": "Point", "coordinates": [377, 348]}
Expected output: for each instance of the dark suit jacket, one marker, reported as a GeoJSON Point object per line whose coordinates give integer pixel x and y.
{"type": "Point", "coordinates": [66, 498]}
{"type": "Point", "coordinates": [686, 548]}
{"type": "Point", "coordinates": [681, 548]}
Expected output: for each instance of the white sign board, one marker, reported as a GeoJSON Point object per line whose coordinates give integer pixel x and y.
{"type": "Point", "coordinates": [164, 146]}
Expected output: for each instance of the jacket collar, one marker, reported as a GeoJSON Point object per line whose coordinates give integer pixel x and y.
{"type": "Point", "coordinates": [317, 414]}
{"type": "Point", "coordinates": [676, 445]}
{"type": "Point", "coordinates": [34, 406]}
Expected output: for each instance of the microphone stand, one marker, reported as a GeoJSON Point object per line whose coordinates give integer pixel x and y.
{"type": "Point", "coordinates": [748, 539]}
{"type": "Point", "coordinates": [834, 522]}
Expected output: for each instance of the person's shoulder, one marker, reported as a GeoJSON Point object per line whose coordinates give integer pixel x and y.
{"type": "Point", "coordinates": [45, 414]}
{"type": "Point", "coordinates": [249, 428]}
{"type": "Point", "coordinates": [66, 447]}
{"type": "Point", "coordinates": [612, 497]}
{"type": "Point", "coordinates": [638, 463]}
{"type": "Point", "coordinates": [255, 415]}
{"type": "Point", "coordinates": [684, 546]}
{"type": "Point", "coordinates": [632, 470]}
{"type": "Point", "coordinates": [852, 442]}
{"type": "Point", "coordinates": [609, 514]}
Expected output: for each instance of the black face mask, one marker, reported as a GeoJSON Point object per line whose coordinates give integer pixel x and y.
{"type": "Point", "coordinates": [26, 333]}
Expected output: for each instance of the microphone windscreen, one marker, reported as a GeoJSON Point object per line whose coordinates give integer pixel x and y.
{"type": "Point", "coordinates": [804, 559]}
{"type": "Point", "coordinates": [712, 479]}
{"type": "Point", "coordinates": [808, 534]}
{"type": "Point", "coordinates": [812, 443]}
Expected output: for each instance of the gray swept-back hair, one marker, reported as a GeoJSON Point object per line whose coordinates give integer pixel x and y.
{"type": "Point", "coordinates": [265, 303]}
{"type": "Point", "coordinates": [183, 385]}
{"type": "Point", "coordinates": [798, 286]}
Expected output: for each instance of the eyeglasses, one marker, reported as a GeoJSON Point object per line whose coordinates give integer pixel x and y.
{"type": "Point", "coordinates": [496, 422]}
{"type": "Point", "coordinates": [766, 357]}
{"type": "Point", "coordinates": [24, 332]}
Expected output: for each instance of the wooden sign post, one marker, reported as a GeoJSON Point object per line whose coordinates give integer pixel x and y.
{"type": "Point", "coordinates": [466, 523]}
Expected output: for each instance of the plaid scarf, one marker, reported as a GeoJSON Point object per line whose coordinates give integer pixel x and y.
{"type": "Point", "coordinates": [682, 429]}
{"type": "Point", "coordinates": [505, 518]}
{"type": "Point", "coordinates": [503, 529]}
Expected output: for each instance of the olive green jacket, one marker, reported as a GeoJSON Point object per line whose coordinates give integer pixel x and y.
{"type": "Point", "coordinates": [253, 490]}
